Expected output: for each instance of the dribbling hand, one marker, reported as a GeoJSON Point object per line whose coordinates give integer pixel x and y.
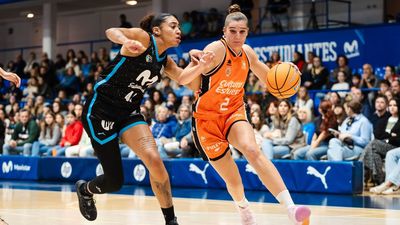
{"type": "Point", "coordinates": [134, 47]}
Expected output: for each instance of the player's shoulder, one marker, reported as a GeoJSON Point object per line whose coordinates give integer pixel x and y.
{"type": "Point", "coordinates": [215, 45]}
{"type": "Point", "coordinates": [248, 49]}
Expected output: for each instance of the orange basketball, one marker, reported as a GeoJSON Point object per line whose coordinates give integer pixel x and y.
{"type": "Point", "coordinates": [283, 80]}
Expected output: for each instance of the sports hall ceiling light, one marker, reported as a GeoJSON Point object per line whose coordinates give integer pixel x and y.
{"type": "Point", "coordinates": [131, 2]}
{"type": "Point", "coordinates": [30, 15]}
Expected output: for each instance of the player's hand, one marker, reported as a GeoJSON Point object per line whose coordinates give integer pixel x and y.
{"type": "Point", "coordinates": [13, 78]}
{"type": "Point", "coordinates": [134, 47]}
{"type": "Point", "coordinates": [295, 67]}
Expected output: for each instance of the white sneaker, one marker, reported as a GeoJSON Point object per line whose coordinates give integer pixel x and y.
{"type": "Point", "coordinates": [299, 215]}
{"type": "Point", "coordinates": [392, 190]}
{"type": "Point", "coordinates": [379, 189]}
{"type": "Point", "coordinates": [246, 216]}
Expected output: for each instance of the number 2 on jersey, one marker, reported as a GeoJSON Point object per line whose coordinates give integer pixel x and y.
{"type": "Point", "coordinates": [224, 105]}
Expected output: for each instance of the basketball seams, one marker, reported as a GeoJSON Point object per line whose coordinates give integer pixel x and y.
{"type": "Point", "coordinates": [287, 75]}
{"type": "Point", "coordinates": [276, 81]}
{"type": "Point", "coordinates": [295, 84]}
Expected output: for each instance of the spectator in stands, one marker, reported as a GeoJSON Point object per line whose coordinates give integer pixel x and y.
{"type": "Point", "coordinates": [357, 95]}
{"type": "Point", "coordinates": [157, 99]}
{"type": "Point", "coordinates": [163, 129]}
{"type": "Point", "coordinates": [317, 78]}
{"type": "Point", "coordinates": [13, 90]}
{"type": "Point", "coordinates": [390, 73]}
{"type": "Point", "coordinates": [182, 140]}
{"type": "Point", "coordinates": [384, 85]}
{"type": "Point", "coordinates": [279, 10]}
{"type": "Point", "coordinates": [186, 25]}
{"type": "Point", "coordinates": [58, 108]}
{"type": "Point", "coordinates": [85, 68]}
{"type": "Point", "coordinates": [50, 135]}
{"type": "Point", "coordinates": [78, 108]}
{"type": "Point", "coordinates": [320, 140]}
{"type": "Point", "coordinates": [70, 58]}
{"type": "Point", "coordinates": [395, 87]}
{"type": "Point", "coordinates": [275, 58]}
{"type": "Point", "coordinates": [20, 66]}
{"type": "Point", "coordinates": [88, 91]}
{"type": "Point", "coordinates": [356, 81]}
{"type": "Point", "coordinates": [68, 82]}
{"type": "Point", "coordinates": [303, 100]}
{"type": "Point", "coordinates": [253, 84]}
{"type": "Point", "coordinates": [94, 59]}
{"type": "Point", "coordinates": [257, 121]}
{"type": "Point", "coordinates": [72, 135]}
{"type": "Point", "coordinates": [334, 98]}
{"type": "Point", "coordinates": [286, 134]}
{"type": "Point", "coordinates": [32, 89]}
{"type": "Point", "coordinates": [341, 84]}
{"type": "Point", "coordinates": [353, 135]}
{"type": "Point", "coordinates": [342, 63]}
{"type": "Point", "coordinates": [60, 119]}
{"type": "Point", "coordinates": [298, 60]}
{"type": "Point", "coordinates": [369, 80]}
{"type": "Point", "coordinates": [213, 23]}
{"type": "Point", "coordinates": [381, 104]}
{"type": "Point", "coordinates": [186, 100]}
{"type": "Point", "coordinates": [11, 122]}
{"type": "Point", "coordinates": [199, 28]}
{"type": "Point", "coordinates": [124, 22]}
{"type": "Point", "coordinates": [25, 133]}
{"type": "Point", "coordinates": [392, 170]}
{"type": "Point", "coordinates": [82, 149]}
{"type": "Point", "coordinates": [246, 7]}
{"type": "Point", "coordinates": [309, 61]}
{"type": "Point", "coordinates": [271, 111]}
{"type": "Point", "coordinates": [103, 56]}
{"type": "Point", "coordinates": [306, 118]}
{"type": "Point", "coordinates": [12, 101]}
{"type": "Point", "coordinates": [165, 86]}
{"type": "Point", "coordinates": [255, 107]}
{"type": "Point", "coordinates": [387, 137]}
{"type": "Point", "coordinates": [30, 64]}
{"type": "Point", "coordinates": [80, 56]}
{"type": "Point", "coordinates": [389, 94]}
{"type": "Point", "coordinates": [70, 107]}
{"type": "Point", "coordinates": [172, 102]}
{"type": "Point", "coordinates": [60, 62]}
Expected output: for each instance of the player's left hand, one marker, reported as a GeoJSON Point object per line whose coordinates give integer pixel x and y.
{"type": "Point", "coordinates": [13, 78]}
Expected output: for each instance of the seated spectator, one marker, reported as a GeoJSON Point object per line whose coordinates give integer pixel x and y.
{"type": "Point", "coordinates": [390, 73]}
{"type": "Point", "coordinates": [253, 84]}
{"type": "Point", "coordinates": [25, 133]}
{"type": "Point", "coordinates": [298, 60]}
{"type": "Point", "coordinates": [389, 95]}
{"type": "Point", "coordinates": [186, 25]}
{"type": "Point", "coordinates": [271, 111]}
{"type": "Point", "coordinates": [163, 129]}
{"type": "Point", "coordinates": [285, 135]}
{"type": "Point", "coordinates": [342, 63]}
{"type": "Point", "coordinates": [392, 170]}
{"type": "Point", "coordinates": [82, 149]}
{"type": "Point", "coordinates": [186, 100]}
{"type": "Point", "coordinates": [71, 137]}
{"type": "Point", "coordinates": [357, 95]}
{"type": "Point", "coordinates": [2, 129]}
{"type": "Point", "coordinates": [317, 78]}
{"type": "Point", "coordinates": [32, 89]}
{"type": "Point", "coordinates": [11, 122]}
{"type": "Point", "coordinates": [384, 86]}
{"type": "Point", "coordinates": [182, 140]}
{"type": "Point", "coordinates": [387, 137]}
{"type": "Point", "coordinates": [334, 98]}
{"type": "Point", "coordinates": [356, 81]}
{"type": "Point", "coordinates": [369, 80]}
{"type": "Point", "coordinates": [381, 105]}
{"type": "Point", "coordinates": [354, 134]}
{"type": "Point", "coordinates": [50, 135]}
{"type": "Point", "coordinates": [306, 118]}
{"type": "Point", "coordinates": [60, 119]}
{"type": "Point", "coordinates": [341, 84]}
{"type": "Point", "coordinates": [395, 87]}
{"type": "Point", "coordinates": [303, 100]}
{"type": "Point", "coordinates": [320, 140]}
{"type": "Point", "coordinates": [259, 127]}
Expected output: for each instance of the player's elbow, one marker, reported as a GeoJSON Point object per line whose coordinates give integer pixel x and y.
{"type": "Point", "coordinates": [109, 31]}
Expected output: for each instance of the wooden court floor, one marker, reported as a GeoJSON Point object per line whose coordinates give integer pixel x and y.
{"type": "Point", "coordinates": [61, 208]}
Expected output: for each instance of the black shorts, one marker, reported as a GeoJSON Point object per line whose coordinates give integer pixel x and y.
{"type": "Point", "coordinates": [104, 122]}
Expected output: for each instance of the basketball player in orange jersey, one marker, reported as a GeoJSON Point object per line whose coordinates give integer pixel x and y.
{"type": "Point", "coordinates": [11, 77]}
{"type": "Point", "coordinates": [220, 117]}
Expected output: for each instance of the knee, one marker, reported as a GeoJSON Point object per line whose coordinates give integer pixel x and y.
{"type": "Point", "coordinates": [251, 152]}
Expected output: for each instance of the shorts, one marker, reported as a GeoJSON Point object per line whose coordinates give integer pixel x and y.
{"type": "Point", "coordinates": [211, 136]}
{"type": "Point", "coordinates": [104, 122]}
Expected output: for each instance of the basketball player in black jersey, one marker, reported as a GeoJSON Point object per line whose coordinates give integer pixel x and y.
{"type": "Point", "coordinates": [113, 111]}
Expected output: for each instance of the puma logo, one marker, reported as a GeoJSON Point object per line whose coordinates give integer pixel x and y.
{"type": "Point", "coordinates": [194, 168]}
{"type": "Point", "coordinates": [250, 169]}
{"type": "Point", "coordinates": [312, 171]}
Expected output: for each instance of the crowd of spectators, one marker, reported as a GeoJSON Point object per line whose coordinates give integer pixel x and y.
{"type": "Point", "coordinates": [356, 120]}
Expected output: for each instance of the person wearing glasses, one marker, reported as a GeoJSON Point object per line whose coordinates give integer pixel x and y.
{"type": "Point", "coordinates": [353, 135]}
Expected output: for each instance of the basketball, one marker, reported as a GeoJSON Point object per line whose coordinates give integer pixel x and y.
{"type": "Point", "coordinates": [283, 80]}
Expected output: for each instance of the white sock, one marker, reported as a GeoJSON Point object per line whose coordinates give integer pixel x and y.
{"type": "Point", "coordinates": [243, 203]}
{"type": "Point", "coordinates": [284, 198]}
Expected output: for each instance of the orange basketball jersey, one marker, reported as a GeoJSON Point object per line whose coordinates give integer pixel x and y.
{"type": "Point", "coordinates": [222, 89]}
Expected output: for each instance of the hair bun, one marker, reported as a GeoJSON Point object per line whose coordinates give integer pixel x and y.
{"type": "Point", "coordinates": [234, 8]}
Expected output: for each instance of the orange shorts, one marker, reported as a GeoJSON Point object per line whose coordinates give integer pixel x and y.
{"type": "Point", "coordinates": [211, 136]}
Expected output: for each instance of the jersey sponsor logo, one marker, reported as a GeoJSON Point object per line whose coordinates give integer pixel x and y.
{"type": "Point", "coordinates": [215, 147]}
{"type": "Point", "coordinates": [314, 172]}
{"type": "Point", "coordinates": [229, 87]}
{"type": "Point", "coordinates": [139, 172]}
{"type": "Point", "coordinates": [107, 125]}
{"type": "Point", "coordinates": [66, 170]}
{"type": "Point", "coordinates": [202, 173]}
{"type": "Point", "coordinates": [145, 78]}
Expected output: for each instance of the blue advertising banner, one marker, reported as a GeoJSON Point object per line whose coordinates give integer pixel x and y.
{"type": "Point", "coordinates": [17, 167]}
{"type": "Point", "coordinates": [377, 45]}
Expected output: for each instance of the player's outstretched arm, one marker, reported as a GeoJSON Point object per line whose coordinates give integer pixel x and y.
{"type": "Point", "coordinates": [11, 77]}
{"type": "Point", "coordinates": [122, 35]}
{"type": "Point", "coordinates": [256, 66]}
{"type": "Point", "coordinates": [174, 72]}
